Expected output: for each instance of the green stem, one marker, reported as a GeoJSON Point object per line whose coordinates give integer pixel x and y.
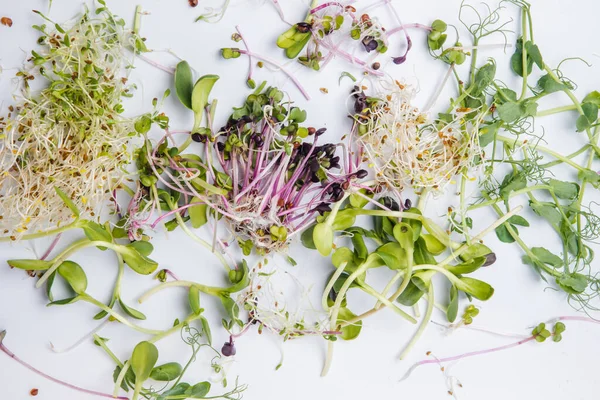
{"type": "Point", "coordinates": [520, 242]}
{"type": "Point", "coordinates": [137, 20]}
{"type": "Point", "coordinates": [463, 211]}
{"type": "Point", "coordinates": [338, 272]}
{"type": "Point", "coordinates": [556, 110]}
{"type": "Point", "coordinates": [56, 231]}
{"type": "Point", "coordinates": [424, 323]}
{"type": "Point", "coordinates": [368, 289]}
{"type": "Point", "coordinates": [57, 261]}
{"type": "Point", "coordinates": [570, 156]}
{"type": "Point", "coordinates": [512, 142]}
{"type": "Point", "coordinates": [524, 55]}
{"type": "Point", "coordinates": [88, 299]}
{"type": "Point", "coordinates": [112, 355]}
{"type": "Point", "coordinates": [213, 291]}
{"type": "Point", "coordinates": [511, 195]}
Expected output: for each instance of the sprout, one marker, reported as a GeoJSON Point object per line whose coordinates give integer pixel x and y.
{"type": "Point", "coordinates": [71, 135]}
{"type": "Point", "coordinates": [406, 148]}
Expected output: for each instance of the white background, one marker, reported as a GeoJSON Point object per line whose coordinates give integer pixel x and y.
{"type": "Point", "coordinates": [367, 367]}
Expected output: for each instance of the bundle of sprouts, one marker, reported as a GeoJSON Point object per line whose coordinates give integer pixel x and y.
{"type": "Point", "coordinates": [405, 148]}
{"type": "Point", "coordinates": [71, 134]}
{"type": "Point", "coordinates": [257, 172]}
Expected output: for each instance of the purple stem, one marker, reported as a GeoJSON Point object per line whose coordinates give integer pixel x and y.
{"type": "Point", "coordinates": [157, 65]}
{"type": "Point", "coordinates": [50, 378]}
{"type": "Point", "coordinates": [325, 5]}
{"type": "Point", "coordinates": [52, 246]}
{"type": "Point", "coordinates": [283, 69]}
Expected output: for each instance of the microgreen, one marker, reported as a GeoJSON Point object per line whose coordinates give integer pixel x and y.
{"type": "Point", "coordinates": [65, 147]}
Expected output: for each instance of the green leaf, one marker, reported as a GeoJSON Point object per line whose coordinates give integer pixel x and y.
{"type": "Point", "coordinates": [504, 235]}
{"type": "Point", "coordinates": [452, 311]}
{"type": "Point", "coordinates": [433, 245]}
{"type": "Point", "coordinates": [475, 250]}
{"type": "Point", "coordinates": [206, 330]}
{"type": "Point", "coordinates": [582, 123]}
{"type": "Point", "coordinates": [510, 112]}
{"type": "Point", "coordinates": [404, 234]}
{"type": "Point", "coordinates": [231, 307]}
{"type": "Point", "coordinates": [74, 275]}
{"type": "Point", "coordinates": [344, 220]}
{"type": "Point", "coordinates": [68, 202]}
{"type": "Point", "coordinates": [593, 98]}
{"type": "Point", "coordinates": [411, 295]}
{"type": "Point", "coordinates": [194, 299]}
{"type": "Point", "coordinates": [177, 390]}
{"type": "Point", "coordinates": [198, 214]}
{"type": "Point", "coordinates": [184, 83]}
{"type": "Point", "coordinates": [132, 312]}
{"type": "Point", "coordinates": [564, 190]}
{"type": "Point", "coordinates": [166, 372]}
{"type": "Point", "coordinates": [343, 255]}
{"type": "Point", "coordinates": [516, 61]}
{"type": "Point", "coordinates": [143, 124]}
{"type": "Point", "coordinates": [323, 238]}
{"type": "Point", "coordinates": [476, 288]}
{"type": "Point", "coordinates": [49, 284]}
{"type": "Point", "coordinates": [439, 25]}
{"type": "Point", "coordinates": [143, 360]}
{"type": "Point", "coordinates": [573, 283]}
{"type": "Point", "coordinates": [547, 211]}
{"type": "Point", "coordinates": [97, 233]}
{"type": "Point", "coordinates": [201, 91]}
{"type": "Point", "coordinates": [30, 265]}
{"type": "Point", "coordinates": [307, 237]}
{"type": "Point", "coordinates": [349, 332]}
{"type": "Point", "coordinates": [393, 256]}
{"type": "Point", "coordinates": [533, 51]}
{"type": "Point", "coordinates": [518, 220]}
{"type": "Point", "coordinates": [143, 247]}
{"type": "Point", "coordinates": [137, 261]}
{"type": "Point", "coordinates": [198, 391]}
{"type": "Point", "coordinates": [64, 302]}
{"type": "Point", "coordinates": [547, 257]}
{"type": "Point", "coordinates": [483, 78]}
{"type": "Point", "coordinates": [549, 85]}
{"type": "Point", "coordinates": [590, 110]}
{"type": "Point", "coordinates": [467, 267]}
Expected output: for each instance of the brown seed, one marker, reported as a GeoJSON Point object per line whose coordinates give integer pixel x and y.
{"type": "Point", "coordinates": [376, 66]}
{"type": "Point", "coordinates": [6, 21]}
{"type": "Point", "coordinates": [193, 3]}
{"type": "Point", "coordinates": [324, 90]}
{"type": "Point", "coordinates": [34, 392]}
{"type": "Point", "coordinates": [260, 64]}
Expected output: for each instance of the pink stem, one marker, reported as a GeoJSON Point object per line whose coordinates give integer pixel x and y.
{"type": "Point", "coordinates": [408, 26]}
{"type": "Point", "coordinates": [157, 65]}
{"type": "Point", "coordinates": [58, 381]}
{"type": "Point", "coordinates": [285, 71]}
{"type": "Point", "coordinates": [52, 246]}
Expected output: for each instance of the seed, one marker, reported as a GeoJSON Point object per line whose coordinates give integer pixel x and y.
{"type": "Point", "coordinates": [6, 21]}
{"type": "Point", "coordinates": [376, 66]}
{"type": "Point", "coordinates": [193, 3]}
{"type": "Point", "coordinates": [260, 64]}
{"type": "Point", "coordinates": [34, 392]}
{"type": "Point", "coordinates": [324, 90]}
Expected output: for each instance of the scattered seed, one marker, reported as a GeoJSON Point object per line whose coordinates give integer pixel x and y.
{"type": "Point", "coordinates": [34, 392]}
{"type": "Point", "coordinates": [324, 90]}
{"type": "Point", "coordinates": [193, 3]}
{"type": "Point", "coordinates": [260, 64]}
{"type": "Point", "coordinates": [6, 21]}
{"type": "Point", "coordinates": [376, 66]}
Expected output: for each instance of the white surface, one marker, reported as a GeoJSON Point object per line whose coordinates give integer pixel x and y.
{"type": "Point", "coordinates": [365, 368]}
